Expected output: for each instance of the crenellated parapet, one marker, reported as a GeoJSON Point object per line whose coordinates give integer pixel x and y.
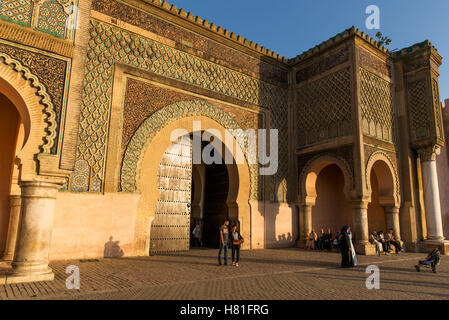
{"type": "Point", "coordinates": [189, 16]}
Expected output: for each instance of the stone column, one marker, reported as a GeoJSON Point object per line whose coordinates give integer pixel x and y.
{"type": "Point", "coordinates": [360, 227]}
{"type": "Point", "coordinates": [392, 219]}
{"type": "Point", "coordinates": [13, 227]}
{"type": "Point", "coordinates": [30, 261]}
{"type": "Point", "coordinates": [305, 222]}
{"type": "Point", "coordinates": [431, 194]}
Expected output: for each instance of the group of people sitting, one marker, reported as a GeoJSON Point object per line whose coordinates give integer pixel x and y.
{"type": "Point", "coordinates": [326, 240]}
{"type": "Point", "coordinates": [385, 241]}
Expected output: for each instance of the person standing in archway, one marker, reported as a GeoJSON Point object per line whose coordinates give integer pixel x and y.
{"type": "Point", "coordinates": [224, 242]}
{"type": "Point", "coordinates": [196, 236]}
{"type": "Point", "coordinates": [346, 248]}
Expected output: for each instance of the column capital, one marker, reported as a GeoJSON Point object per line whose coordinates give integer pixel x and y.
{"type": "Point", "coordinates": [391, 209]}
{"type": "Point", "coordinates": [429, 153]}
{"type": "Point", "coordinates": [359, 203]}
{"type": "Point", "coordinates": [307, 201]}
{"type": "Point", "coordinates": [45, 187]}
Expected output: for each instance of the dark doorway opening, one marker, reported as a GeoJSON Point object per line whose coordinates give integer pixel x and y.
{"type": "Point", "coordinates": [210, 186]}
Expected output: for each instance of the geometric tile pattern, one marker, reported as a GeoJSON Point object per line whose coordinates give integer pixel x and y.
{"type": "Point", "coordinates": [109, 45]}
{"type": "Point", "coordinates": [47, 110]}
{"type": "Point", "coordinates": [323, 109]}
{"type": "Point", "coordinates": [19, 11]}
{"type": "Point", "coordinates": [52, 18]}
{"type": "Point", "coordinates": [377, 106]}
{"type": "Point", "coordinates": [130, 171]}
{"type": "Point", "coordinates": [437, 106]}
{"type": "Point", "coordinates": [52, 74]}
{"type": "Point", "coordinates": [418, 114]}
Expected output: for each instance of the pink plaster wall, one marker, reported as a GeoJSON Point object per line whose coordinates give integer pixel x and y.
{"type": "Point", "coordinates": [85, 222]}
{"type": "Point", "coordinates": [443, 172]}
{"type": "Point", "coordinates": [273, 225]}
{"type": "Point", "coordinates": [376, 213]}
{"type": "Point", "coordinates": [331, 210]}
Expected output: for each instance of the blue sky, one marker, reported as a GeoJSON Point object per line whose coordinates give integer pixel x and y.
{"type": "Point", "coordinates": [290, 27]}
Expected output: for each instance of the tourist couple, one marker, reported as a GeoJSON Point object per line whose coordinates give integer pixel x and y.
{"type": "Point", "coordinates": [234, 240]}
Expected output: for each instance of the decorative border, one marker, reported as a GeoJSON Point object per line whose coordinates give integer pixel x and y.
{"type": "Point", "coordinates": [137, 147]}
{"type": "Point", "coordinates": [381, 155]}
{"type": "Point", "coordinates": [45, 99]}
{"type": "Point", "coordinates": [337, 160]}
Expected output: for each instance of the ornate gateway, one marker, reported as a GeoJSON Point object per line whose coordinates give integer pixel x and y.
{"type": "Point", "coordinates": [170, 229]}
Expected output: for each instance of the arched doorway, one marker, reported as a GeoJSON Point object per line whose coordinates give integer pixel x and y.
{"type": "Point", "coordinates": [331, 209]}
{"type": "Point", "coordinates": [325, 185]}
{"type": "Point", "coordinates": [189, 194]}
{"type": "Point", "coordinates": [376, 212]}
{"type": "Point", "coordinates": [383, 210]}
{"type": "Point", "coordinates": [210, 195]}
{"type": "Point", "coordinates": [146, 165]}
{"type": "Point", "coordinates": [10, 123]}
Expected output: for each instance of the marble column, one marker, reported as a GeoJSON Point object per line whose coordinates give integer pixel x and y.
{"type": "Point", "coordinates": [392, 219]}
{"type": "Point", "coordinates": [431, 194]}
{"type": "Point", "coordinates": [13, 227]}
{"type": "Point", "coordinates": [31, 257]}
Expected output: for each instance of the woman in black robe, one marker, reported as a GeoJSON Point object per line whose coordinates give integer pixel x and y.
{"type": "Point", "coordinates": [346, 256]}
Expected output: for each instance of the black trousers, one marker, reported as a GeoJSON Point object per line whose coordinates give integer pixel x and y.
{"type": "Point", "coordinates": [386, 246]}
{"type": "Point", "coordinates": [396, 245]}
{"type": "Point", "coordinates": [235, 252]}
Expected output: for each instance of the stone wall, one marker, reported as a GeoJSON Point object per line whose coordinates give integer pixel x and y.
{"type": "Point", "coordinates": [443, 173]}
{"type": "Point", "coordinates": [120, 35]}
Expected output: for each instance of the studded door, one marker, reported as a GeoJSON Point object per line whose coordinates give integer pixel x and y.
{"type": "Point", "coordinates": [170, 230]}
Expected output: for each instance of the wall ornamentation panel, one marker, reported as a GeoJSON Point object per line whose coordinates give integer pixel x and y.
{"type": "Point", "coordinates": [374, 63]}
{"type": "Point", "coordinates": [52, 72]}
{"type": "Point", "coordinates": [323, 65]}
{"type": "Point", "coordinates": [377, 106]}
{"type": "Point", "coordinates": [52, 18]}
{"type": "Point", "coordinates": [418, 115]}
{"type": "Point", "coordinates": [49, 16]}
{"type": "Point", "coordinates": [109, 45]}
{"type": "Point", "coordinates": [18, 11]}
{"type": "Point", "coordinates": [323, 109]}
{"type": "Point", "coordinates": [437, 107]}
{"type": "Point", "coordinates": [205, 47]}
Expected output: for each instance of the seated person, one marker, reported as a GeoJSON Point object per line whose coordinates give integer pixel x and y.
{"type": "Point", "coordinates": [390, 239]}
{"type": "Point", "coordinates": [311, 239]}
{"type": "Point", "coordinates": [320, 242]}
{"type": "Point", "coordinates": [385, 245]}
{"type": "Point", "coordinates": [328, 240]}
{"type": "Point", "coordinates": [336, 242]}
{"type": "Point", "coordinates": [373, 238]}
{"type": "Point", "coordinates": [432, 260]}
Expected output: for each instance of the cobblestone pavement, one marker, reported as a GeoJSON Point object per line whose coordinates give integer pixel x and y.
{"type": "Point", "coordinates": [263, 274]}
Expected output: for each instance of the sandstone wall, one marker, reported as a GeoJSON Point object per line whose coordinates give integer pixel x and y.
{"type": "Point", "coordinates": [443, 173]}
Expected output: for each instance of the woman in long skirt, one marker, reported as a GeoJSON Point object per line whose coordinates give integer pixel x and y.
{"type": "Point", "coordinates": [346, 248]}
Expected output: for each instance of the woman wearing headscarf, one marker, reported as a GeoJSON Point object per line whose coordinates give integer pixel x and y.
{"type": "Point", "coordinates": [346, 248]}
{"type": "Point", "coordinates": [353, 254]}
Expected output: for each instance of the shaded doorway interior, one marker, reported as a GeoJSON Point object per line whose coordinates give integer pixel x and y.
{"type": "Point", "coordinates": [210, 186]}
{"type": "Point", "coordinates": [376, 213]}
{"type": "Point", "coordinates": [331, 209]}
{"type": "Point", "coordinates": [10, 124]}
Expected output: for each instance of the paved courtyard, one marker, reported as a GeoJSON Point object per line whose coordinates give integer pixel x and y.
{"type": "Point", "coordinates": [263, 274]}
